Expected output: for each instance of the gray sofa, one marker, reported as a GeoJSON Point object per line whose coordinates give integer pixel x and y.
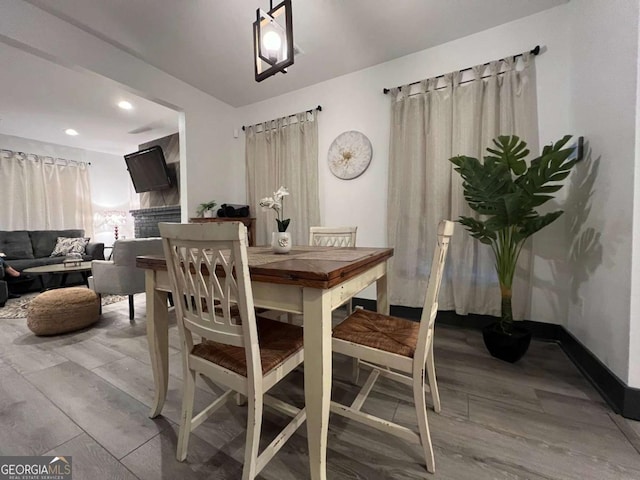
{"type": "Point", "coordinates": [32, 248]}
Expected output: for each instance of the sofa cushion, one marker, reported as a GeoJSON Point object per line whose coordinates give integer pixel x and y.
{"type": "Point", "coordinates": [16, 244]}
{"type": "Point", "coordinates": [44, 241]}
{"type": "Point", "coordinates": [70, 246]}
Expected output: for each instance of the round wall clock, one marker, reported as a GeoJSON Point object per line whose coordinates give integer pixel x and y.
{"type": "Point", "coordinates": [349, 155]}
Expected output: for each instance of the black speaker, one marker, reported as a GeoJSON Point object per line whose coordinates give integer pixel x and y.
{"type": "Point", "coordinates": [233, 211]}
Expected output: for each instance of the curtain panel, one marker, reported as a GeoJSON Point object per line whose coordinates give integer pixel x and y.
{"type": "Point", "coordinates": [284, 152]}
{"type": "Point", "coordinates": [429, 126]}
{"type": "Point", "coordinates": [41, 193]}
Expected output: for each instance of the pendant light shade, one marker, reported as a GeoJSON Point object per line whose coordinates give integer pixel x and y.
{"type": "Point", "coordinates": [273, 40]}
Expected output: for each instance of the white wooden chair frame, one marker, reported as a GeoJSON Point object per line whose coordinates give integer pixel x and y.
{"type": "Point", "coordinates": [188, 248]}
{"type": "Point", "coordinates": [394, 366]}
{"type": "Point", "coordinates": [334, 237]}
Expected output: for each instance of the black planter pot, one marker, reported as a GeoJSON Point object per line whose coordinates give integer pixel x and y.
{"type": "Point", "coordinates": [508, 347]}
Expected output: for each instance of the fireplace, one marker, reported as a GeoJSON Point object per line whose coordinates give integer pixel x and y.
{"type": "Point", "coordinates": [146, 220]}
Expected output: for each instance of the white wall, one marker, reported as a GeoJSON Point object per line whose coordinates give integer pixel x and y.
{"type": "Point", "coordinates": [110, 182]}
{"type": "Point", "coordinates": [205, 131]}
{"type": "Point", "coordinates": [604, 52]}
{"type": "Point", "coordinates": [634, 330]}
{"type": "Point", "coordinates": [586, 86]}
{"type": "Point", "coordinates": [356, 102]}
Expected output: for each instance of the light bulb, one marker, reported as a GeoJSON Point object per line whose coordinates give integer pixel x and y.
{"type": "Point", "coordinates": [272, 41]}
{"type": "Point", "coordinates": [125, 105]}
{"type": "Point", "coordinates": [71, 131]}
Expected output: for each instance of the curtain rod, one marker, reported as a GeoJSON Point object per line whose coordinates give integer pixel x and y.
{"type": "Point", "coordinates": [534, 51]}
{"type": "Point", "coordinates": [318, 109]}
{"type": "Point", "coordinates": [44, 157]}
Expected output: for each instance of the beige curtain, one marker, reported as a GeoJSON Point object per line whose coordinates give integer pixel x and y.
{"type": "Point", "coordinates": [42, 193]}
{"type": "Point", "coordinates": [284, 152]}
{"type": "Point", "coordinates": [429, 125]}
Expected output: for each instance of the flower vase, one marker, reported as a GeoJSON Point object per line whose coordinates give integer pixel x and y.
{"type": "Point", "coordinates": [281, 242]}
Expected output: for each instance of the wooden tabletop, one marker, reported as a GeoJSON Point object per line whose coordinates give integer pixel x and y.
{"type": "Point", "coordinates": [318, 267]}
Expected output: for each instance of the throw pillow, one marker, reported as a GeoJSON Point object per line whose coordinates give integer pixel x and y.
{"type": "Point", "coordinates": [67, 245]}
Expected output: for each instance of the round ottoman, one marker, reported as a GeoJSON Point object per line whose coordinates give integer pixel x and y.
{"type": "Point", "coordinates": [63, 310]}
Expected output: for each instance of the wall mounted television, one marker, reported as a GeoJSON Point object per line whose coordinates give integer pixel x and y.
{"type": "Point", "coordinates": [148, 169]}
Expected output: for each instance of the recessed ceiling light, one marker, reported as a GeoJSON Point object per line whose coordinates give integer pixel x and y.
{"type": "Point", "coordinates": [71, 131]}
{"type": "Point", "coordinates": [125, 105]}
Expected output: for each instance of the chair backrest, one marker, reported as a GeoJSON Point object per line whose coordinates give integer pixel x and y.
{"type": "Point", "coordinates": [332, 236]}
{"type": "Point", "coordinates": [207, 264]}
{"type": "Point", "coordinates": [125, 251]}
{"type": "Point", "coordinates": [430, 308]}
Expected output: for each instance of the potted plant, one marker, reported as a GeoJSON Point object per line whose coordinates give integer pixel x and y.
{"type": "Point", "coordinates": [206, 209]}
{"type": "Point", "coordinates": [280, 240]}
{"type": "Point", "coordinates": [505, 192]}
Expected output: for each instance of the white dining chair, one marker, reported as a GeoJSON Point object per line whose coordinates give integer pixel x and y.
{"type": "Point", "coordinates": [334, 237]}
{"type": "Point", "coordinates": [209, 276]}
{"type": "Point", "coordinates": [398, 349]}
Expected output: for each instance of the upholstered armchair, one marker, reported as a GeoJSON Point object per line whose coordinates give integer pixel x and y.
{"type": "Point", "coordinates": [120, 276]}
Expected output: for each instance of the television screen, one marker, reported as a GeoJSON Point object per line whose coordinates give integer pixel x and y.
{"type": "Point", "coordinates": [148, 169]}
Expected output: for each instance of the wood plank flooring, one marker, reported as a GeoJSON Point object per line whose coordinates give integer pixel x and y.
{"type": "Point", "coordinates": [87, 395]}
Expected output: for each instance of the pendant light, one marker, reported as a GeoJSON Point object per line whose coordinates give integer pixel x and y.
{"type": "Point", "coordinates": [273, 40]}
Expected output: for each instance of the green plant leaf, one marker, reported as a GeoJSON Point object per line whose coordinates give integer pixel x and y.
{"type": "Point", "coordinates": [478, 229]}
{"type": "Point", "coordinates": [203, 207]}
{"type": "Point", "coordinates": [511, 152]}
{"type": "Point", "coordinates": [532, 225]}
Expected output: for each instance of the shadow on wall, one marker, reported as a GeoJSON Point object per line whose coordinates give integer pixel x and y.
{"type": "Point", "coordinates": [585, 251]}
{"type": "Point", "coordinates": [569, 250]}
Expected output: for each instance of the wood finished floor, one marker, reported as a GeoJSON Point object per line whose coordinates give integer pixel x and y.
{"type": "Point", "coordinates": [88, 394]}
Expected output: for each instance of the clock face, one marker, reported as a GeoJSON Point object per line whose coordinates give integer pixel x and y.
{"type": "Point", "coordinates": [349, 155]}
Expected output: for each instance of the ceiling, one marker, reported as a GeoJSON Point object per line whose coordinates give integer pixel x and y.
{"type": "Point", "coordinates": [208, 43]}
{"type": "Point", "coordinates": [40, 99]}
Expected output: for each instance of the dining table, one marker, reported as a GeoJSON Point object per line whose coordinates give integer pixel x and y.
{"type": "Point", "coordinates": [311, 281]}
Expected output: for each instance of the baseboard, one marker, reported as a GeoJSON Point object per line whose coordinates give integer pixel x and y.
{"type": "Point", "coordinates": [621, 398]}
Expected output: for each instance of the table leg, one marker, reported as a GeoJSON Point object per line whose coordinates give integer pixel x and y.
{"type": "Point", "coordinates": [158, 338]}
{"type": "Point", "coordinates": [317, 376]}
{"type": "Point", "coordinates": [382, 301]}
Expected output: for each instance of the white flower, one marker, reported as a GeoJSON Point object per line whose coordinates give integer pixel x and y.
{"type": "Point", "coordinates": [282, 192]}
{"type": "Point", "coordinates": [268, 202]}
{"type": "Point", "coordinates": [277, 203]}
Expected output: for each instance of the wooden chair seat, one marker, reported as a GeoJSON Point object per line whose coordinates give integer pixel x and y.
{"type": "Point", "coordinates": [278, 341]}
{"type": "Point", "coordinates": [382, 332]}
